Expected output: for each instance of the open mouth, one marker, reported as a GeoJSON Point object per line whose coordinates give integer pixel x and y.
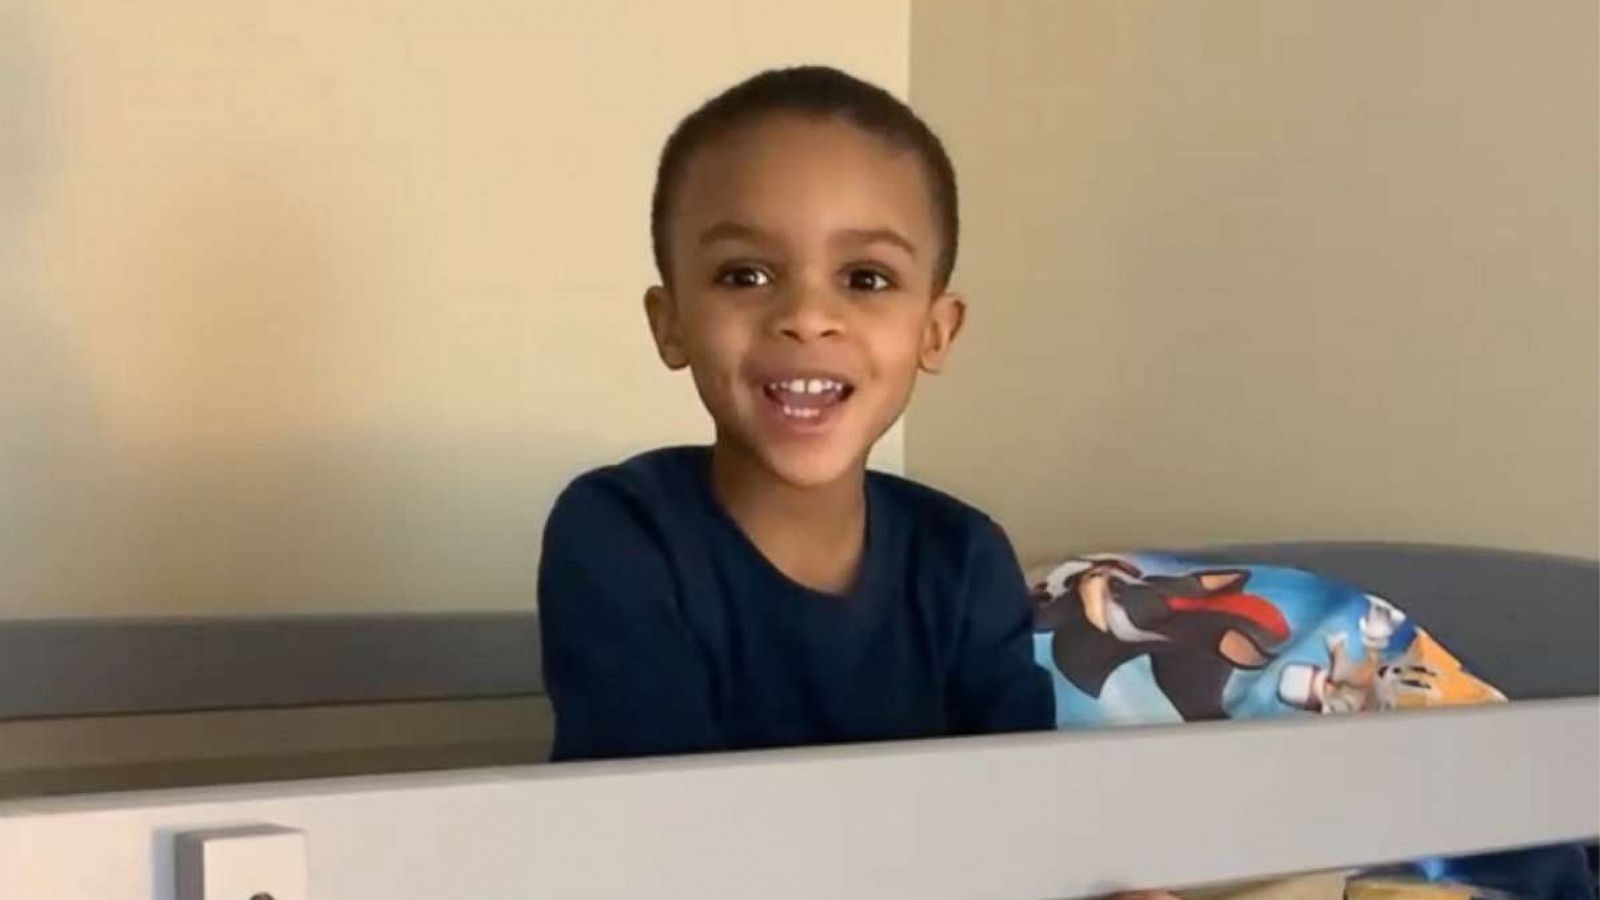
{"type": "Point", "coordinates": [807, 399]}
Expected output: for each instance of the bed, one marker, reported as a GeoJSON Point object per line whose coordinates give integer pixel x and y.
{"type": "Point", "coordinates": [1043, 815]}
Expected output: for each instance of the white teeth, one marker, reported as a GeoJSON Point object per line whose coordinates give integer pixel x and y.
{"type": "Point", "coordinates": [799, 412]}
{"type": "Point", "coordinates": [807, 386]}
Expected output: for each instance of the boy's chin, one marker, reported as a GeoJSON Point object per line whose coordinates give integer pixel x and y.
{"type": "Point", "coordinates": [811, 467]}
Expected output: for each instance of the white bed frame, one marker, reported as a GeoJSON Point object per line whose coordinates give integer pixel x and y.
{"type": "Point", "coordinates": [1033, 816]}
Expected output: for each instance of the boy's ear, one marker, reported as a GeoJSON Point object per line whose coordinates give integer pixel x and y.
{"type": "Point", "coordinates": [661, 308]}
{"type": "Point", "coordinates": [945, 319]}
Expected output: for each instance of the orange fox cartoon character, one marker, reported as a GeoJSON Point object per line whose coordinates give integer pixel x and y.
{"type": "Point", "coordinates": [1369, 683]}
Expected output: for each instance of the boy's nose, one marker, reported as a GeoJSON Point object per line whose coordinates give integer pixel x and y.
{"type": "Point", "coordinates": [808, 315]}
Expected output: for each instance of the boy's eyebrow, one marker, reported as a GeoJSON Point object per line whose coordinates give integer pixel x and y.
{"type": "Point", "coordinates": [876, 236]}
{"type": "Point", "coordinates": [738, 231]}
{"type": "Point", "coordinates": [734, 231]}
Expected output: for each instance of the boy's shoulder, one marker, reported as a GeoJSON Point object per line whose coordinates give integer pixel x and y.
{"type": "Point", "coordinates": [664, 468]}
{"type": "Point", "coordinates": [949, 539]}
{"type": "Point", "coordinates": [927, 506]}
{"type": "Point", "coordinates": [661, 480]}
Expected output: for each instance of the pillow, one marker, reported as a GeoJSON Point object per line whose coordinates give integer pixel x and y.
{"type": "Point", "coordinates": [1145, 638]}
{"type": "Point", "coordinates": [1148, 638]}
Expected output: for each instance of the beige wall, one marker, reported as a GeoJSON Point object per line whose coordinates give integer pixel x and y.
{"type": "Point", "coordinates": [313, 307]}
{"type": "Point", "coordinates": [1269, 270]}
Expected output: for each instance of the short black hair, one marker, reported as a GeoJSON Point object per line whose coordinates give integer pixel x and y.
{"type": "Point", "coordinates": [818, 91]}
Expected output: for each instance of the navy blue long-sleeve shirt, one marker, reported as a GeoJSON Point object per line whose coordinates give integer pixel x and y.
{"type": "Point", "coordinates": [665, 630]}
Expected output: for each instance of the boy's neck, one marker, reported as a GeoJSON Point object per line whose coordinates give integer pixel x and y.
{"type": "Point", "coordinates": [814, 535]}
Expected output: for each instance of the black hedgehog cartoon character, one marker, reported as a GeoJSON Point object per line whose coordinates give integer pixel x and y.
{"type": "Point", "coordinates": [1197, 628]}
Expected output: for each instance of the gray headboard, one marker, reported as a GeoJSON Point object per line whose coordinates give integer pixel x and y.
{"type": "Point", "coordinates": [1528, 623]}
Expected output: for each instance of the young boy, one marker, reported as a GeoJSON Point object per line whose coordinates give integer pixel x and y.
{"type": "Point", "coordinates": [770, 591]}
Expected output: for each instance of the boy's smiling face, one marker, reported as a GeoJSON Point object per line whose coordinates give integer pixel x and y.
{"type": "Point", "coordinates": [802, 291]}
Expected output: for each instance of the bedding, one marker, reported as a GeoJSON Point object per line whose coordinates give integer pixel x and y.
{"type": "Point", "coordinates": [1145, 638]}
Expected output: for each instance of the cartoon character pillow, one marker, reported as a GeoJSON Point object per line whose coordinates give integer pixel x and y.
{"type": "Point", "coordinates": [1142, 639]}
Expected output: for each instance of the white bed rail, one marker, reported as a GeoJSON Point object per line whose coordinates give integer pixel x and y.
{"type": "Point", "coordinates": [1049, 815]}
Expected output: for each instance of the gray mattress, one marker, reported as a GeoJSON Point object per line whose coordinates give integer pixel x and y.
{"type": "Point", "coordinates": [1528, 623]}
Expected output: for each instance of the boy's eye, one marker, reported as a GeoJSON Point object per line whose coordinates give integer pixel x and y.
{"type": "Point", "coordinates": [743, 277]}
{"type": "Point", "coordinates": [868, 280]}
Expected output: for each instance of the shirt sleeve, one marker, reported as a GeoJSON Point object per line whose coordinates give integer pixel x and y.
{"type": "Point", "coordinates": [621, 668]}
{"type": "Point", "coordinates": [997, 685]}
